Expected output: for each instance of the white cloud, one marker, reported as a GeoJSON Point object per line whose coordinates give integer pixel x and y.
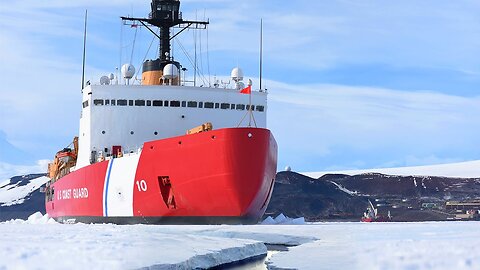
{"type": "Point", "coordinates": [315, 120]}
{"type": "Point", "coordinates": [8, 170]}
{"type": "Point", "coordinates": [39, 103]}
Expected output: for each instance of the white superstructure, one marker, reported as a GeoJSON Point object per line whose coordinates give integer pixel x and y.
{"type": "Point", "coordinates": [126, 116]}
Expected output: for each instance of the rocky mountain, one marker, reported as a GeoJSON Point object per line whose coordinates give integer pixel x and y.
{"type": "Point", "coordinates": [20, 196]}
{"type": "Point", "coordinates": [332, 197]}
{"type": "Point", "coordinates": [345, 197]}
{"type": "Point", "coordinates": [377, 185]}
{"type": "Point", "coordinates": [297, 195]}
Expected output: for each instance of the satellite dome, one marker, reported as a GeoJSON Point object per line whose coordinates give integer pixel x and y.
{"type": "Point", "coordinates": [237, 74]}
{"type": "Point", "coordinates": [170, 71]}
{"type": "Point", "coordinates": [288, 169]}
{"type": "Point", "coordinates": [128, 71]}
{"type": "Point", "coordinates": [111, 76]}
{"type": "Point", "coordinates": [104, 80]}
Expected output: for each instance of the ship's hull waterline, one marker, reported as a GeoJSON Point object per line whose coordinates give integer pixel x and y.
{"type": "Point", "coordinates": [223, 176]}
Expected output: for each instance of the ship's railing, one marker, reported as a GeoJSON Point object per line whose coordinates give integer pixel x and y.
{"type": "Point", "coordinates": [125, 153]}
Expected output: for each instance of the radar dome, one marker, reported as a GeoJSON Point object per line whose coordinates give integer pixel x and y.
{"type": "Point", "coordinates": [128, 71]}
{"type": "Point", "coordinates": [288, 169]}
{"type": "Point", "coordinates": [111, 76]}
{"type": "Point", "coordinates": [170, 71]}
{"type": "Point", "coordinates": [104, 80]}
{"type": "Point", "coordinates": [237, 74]}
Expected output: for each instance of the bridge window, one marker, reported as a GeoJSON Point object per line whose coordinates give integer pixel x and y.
{"type": "Point", "coordinates": [139, 102]}
{"type": "Point", "coordinates": [240, 107]}
{"type": "Point", "coordinates": [174, 103]}
{"type": "Point", "coordinates": [98, 102]}
{"type": "Point", "coordinates": [122, 102]}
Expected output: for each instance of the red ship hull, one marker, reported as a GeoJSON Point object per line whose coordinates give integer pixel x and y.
{"type": "Point", "coordinates": [224, 176]}
{"type": "Point", "coordinates": [377, 219]}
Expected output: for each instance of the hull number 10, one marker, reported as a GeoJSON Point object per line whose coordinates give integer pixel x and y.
{"type": "Point", "coordinates": [142, 185]}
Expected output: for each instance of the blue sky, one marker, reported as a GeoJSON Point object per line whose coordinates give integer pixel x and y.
{"type": "Point", "coordinates": [353, 84]}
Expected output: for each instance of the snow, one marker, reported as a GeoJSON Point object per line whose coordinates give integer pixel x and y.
{"type": "Point", "coordinates": [469, 169]}
{"type": "Point", "coordinates": [41, 243]}
{"type": "Point", "coordinates": [33, 245]}
{"type": "Point", "coordinates": [281, 219]}
{"type": "Point", "coordinates": [11, 194]}
{"type": "Point", "coordinates": [342, 188]}
{"type": "Point", "coordinates": [35, 218]}
{"type": "Point", "coordinates": [423, 184]}
{"type": "Point", "coordinates": [430, 245]}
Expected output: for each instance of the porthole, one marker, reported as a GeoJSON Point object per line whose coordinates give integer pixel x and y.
{"type": "Point", "coordinates": [131, 132]}
{"type": "Point", "coordinates": [155, 133]}
{"type": "Point", "coordinates": [103, 132]}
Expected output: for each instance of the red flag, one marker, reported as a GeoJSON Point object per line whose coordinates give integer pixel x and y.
{"type": "Point", "coordinates": [247, 90]}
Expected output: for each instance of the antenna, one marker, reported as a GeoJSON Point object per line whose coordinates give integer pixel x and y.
{"type": "Point", "coordinates": [195, 61]}
{"type": "Point", "coordinates": [261, 52]}
{"type": "Point", "coordinates": [166, 15]}
{"type": "Point", "coordinates": [84, 49]}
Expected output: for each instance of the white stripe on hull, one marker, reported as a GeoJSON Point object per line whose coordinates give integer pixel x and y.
{"type": "Point", "coordinates": [119, 183]}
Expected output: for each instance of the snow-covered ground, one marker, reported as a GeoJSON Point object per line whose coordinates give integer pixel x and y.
{"type": "Point", "coordinates": [469, 169]}
{"type": "Point", "coordinates": [42, 244]}
{"type": "Point", "coordinates": [49, 245]}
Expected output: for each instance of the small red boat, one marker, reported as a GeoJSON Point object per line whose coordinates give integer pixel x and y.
{"type": "Point", "coordinates": [371, 215]}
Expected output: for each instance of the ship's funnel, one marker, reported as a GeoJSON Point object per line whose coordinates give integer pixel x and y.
{"type": "Point", "coordinates": [158, 72]}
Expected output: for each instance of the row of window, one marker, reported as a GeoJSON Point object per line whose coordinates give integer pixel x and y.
{"type": "Point", "coordinates": [173, 103]}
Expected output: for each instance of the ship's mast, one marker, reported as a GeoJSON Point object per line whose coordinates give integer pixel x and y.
{"type": "Point", "coordinates": [165, 14]}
